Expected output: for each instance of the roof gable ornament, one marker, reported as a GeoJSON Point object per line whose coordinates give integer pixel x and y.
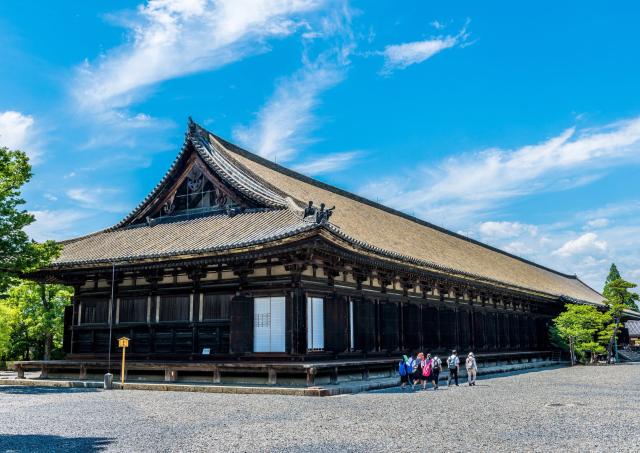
{"type": "Point", "coordinates": [318, 215]}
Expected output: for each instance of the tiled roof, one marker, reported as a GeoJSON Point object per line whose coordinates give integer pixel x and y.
{"type": "Point", "coordinates": [362, 222]}
{"type": "Point", "coordinates": [200, 235]}
{"type": "Point", "coordinates": [383, 228]}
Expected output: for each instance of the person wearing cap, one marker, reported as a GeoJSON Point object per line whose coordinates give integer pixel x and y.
{"type": "Point", "coordinates": [472, 368]}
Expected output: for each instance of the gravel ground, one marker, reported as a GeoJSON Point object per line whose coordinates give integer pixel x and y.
{"type": "Point", "coordinates": [578, 409]}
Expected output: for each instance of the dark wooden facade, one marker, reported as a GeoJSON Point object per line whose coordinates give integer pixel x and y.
{"type": "Point", "coordinates": [177, 311]}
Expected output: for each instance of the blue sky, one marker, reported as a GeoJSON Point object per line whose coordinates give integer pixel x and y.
{"type": "Point", "coordinates": [515, 123]}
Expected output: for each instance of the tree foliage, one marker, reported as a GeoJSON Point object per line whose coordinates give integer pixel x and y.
{"type": "Point", "coordinates": [18, 253]}
{"type": "Point", "coordinates": [614, 274]}
{"type": "Point", "coordinates": [33, 316]}
{"type": "Point", "coordinates": [618, 298]}
{"type": "Point", "coordinates": [583, 330]}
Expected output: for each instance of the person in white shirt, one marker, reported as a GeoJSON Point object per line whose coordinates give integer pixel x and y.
{"type": "Point", "coordinates": [453, 363]}
{"type": "Point", "coordinates": [472, 368]}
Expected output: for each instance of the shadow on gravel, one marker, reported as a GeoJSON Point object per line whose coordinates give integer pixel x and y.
{"type": "Point", "coordinates": [24, 390]}
{"type": "Point", "coordinates": [39, 443]}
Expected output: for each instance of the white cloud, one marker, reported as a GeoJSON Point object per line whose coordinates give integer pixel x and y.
{"type": "Point", "coordinates": [437, 25]}
{"type": "Point", "coordinates": [97, 198]}
{"type": "Point", "coordinates": [56, 224]}
{"type": "Point", "coordinates": [284, 123]}
{"type": "Point", "coordinates": [17, 132]}
{"type": "Point", "coordinates": [327, 163]}
{"type": "Point", "coordinates": [502, 230]}
{"type": "Point", "coordinates": [173, 38]}
{"type": "Point", "coordinates": [400, 56]}
{"type": "Point", "coordinates": [480, 182]}
{"type": "Point", "coordinates": [597, 223]}
{"type": "Point", "coordinates": [586, 243]}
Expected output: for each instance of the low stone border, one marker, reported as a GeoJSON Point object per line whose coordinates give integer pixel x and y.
{"type": "Point", "coordinates": [342, 388]}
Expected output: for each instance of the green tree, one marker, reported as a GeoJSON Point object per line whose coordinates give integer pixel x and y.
{"type": "Point", "coordinates": [36, 326]}
{"type": "Point", "coordinates": [579, 330]}
{"type": "Point", "coordinates": [18, 253]}
{"type": "Point", "coordinates": [7, 320]}
{"type": "Point", "coordinates": [618, 298]}
{"type": "Point", "coordinates": [613, 274]}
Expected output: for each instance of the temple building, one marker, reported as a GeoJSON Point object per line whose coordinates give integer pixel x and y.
{"type": "Point", "coordinates": [233, 259]}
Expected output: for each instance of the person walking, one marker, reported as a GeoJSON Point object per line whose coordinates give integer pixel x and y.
{"type": "Point", "coordinates": [472, 368]}
{"type": "Point", "coordinates": [417, 370]}
{"type": "Point", "coordinates": [453, 363]}
{"type": "Point", "coordinates": [436, 366]}
{"type": "Point", "coordinates": [404, 370]}
{"type": "Point", "coordinates": [427, 370]}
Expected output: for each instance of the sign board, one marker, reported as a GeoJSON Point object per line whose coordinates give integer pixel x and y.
{"type": "Point", "coordinates": [123, 342]}
{"type": "Point", "coordinates": [206, 351]}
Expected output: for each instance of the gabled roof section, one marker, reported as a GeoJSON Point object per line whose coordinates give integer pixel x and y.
{"type": "Point", "coordinates": [259, 193]}
{"type": "Point", "coordinates": [384, 228]}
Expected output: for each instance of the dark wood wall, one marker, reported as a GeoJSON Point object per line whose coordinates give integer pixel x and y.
{"type": "Point", "coordinates": [383, 324]}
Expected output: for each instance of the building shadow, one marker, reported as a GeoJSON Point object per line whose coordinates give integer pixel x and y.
{"type": "Point", "coordinates": [26, 390]}
{"type": "Point", "coordinates": [38, 443]}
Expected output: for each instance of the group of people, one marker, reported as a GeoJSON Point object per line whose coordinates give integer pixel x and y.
{"type": "Point", "coordinates": [420, 370]}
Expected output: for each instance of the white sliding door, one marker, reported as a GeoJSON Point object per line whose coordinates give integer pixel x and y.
{"type": "Point", "coordinates": [315, 323]}
{"type": "Point", "coordinates": [269, 324]}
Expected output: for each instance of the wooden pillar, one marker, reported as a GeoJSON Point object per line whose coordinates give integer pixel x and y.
{"type": "Point", "coordinates": [311, 376]}
{"type": "Point", "coordinates": [439, 339]}
{"type": "Point", "coordinates": [170, 375]}
{"type": "Point", "coordinates": [44, 372]}
{"type": "Point", "coordinates": [421, 331]}
{"type": "Point", "coordinates": [298, 322]}
{"type": "Point", "coordinates": [333, 379]}
{"type": "Point", "coordinates": [216, 375]}
{"type": "Point", "coordinates": [401, 324]}
{"type": "Point", "coordinates": [471, 322]}
{"type": "Point", "coordinates": [20, 371]}
{"type": "Point", "coordinates": [272, 376]}
{"type": "Point", "coordinates": [377, 308]}
{"type": "Point", "coordinates": [74, 316]}
{"type": "Point", "coordinates": [83, 372]}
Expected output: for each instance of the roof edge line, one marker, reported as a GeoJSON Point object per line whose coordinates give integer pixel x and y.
{"type": "Point", "coordinates": [288, 172]}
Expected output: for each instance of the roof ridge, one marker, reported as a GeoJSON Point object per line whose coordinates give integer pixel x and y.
{"type": "Point", "coordinates": [288, 172]}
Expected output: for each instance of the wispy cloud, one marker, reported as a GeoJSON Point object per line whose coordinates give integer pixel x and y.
{"type": "Point", "coordinates": [173, 38]}
{"type": "Point", "coordinates": [97, 198]}
{"type": "Point", "coordinates": [478, 183]}
{"type": "Point", "coordinates": [328, 163]}
{"type": "Point", "coordinates": [504, 229]}
{"type": "Point", "coordinates": [284, 124]}
{"type": "Point", "coordinates": [401, 56]}
{"type": "Point", "coordinates": [17, 131]}
{"type": "Point", "coordinates": [57, 224]}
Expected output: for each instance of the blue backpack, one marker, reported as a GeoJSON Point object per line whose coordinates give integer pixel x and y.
{"type": "Point", "coordinates": [402, 368]}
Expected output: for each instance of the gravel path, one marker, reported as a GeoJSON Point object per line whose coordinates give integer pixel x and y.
{"type": "Point", "coordinates": [579, 409]}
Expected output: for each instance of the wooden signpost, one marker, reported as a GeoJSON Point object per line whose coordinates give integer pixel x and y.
{"type": "Point", "coordinates": [123, 342]}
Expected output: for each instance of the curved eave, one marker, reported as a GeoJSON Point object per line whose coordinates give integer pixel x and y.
{"type": "Point", "coordinates": [187, 254]}
{"type": "Point", "coordinates": [335, 235]}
